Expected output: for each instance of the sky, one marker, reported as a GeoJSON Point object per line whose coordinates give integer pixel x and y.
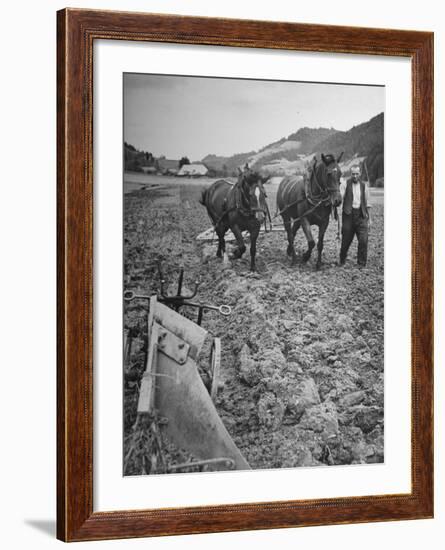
{"type": "Point", "coordinates": [180, 116]}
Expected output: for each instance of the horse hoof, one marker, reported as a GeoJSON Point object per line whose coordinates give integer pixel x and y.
{"type": "Point", "coordinates": [289, 251]}
{"type": "Point", "coordinates": [318, 266]}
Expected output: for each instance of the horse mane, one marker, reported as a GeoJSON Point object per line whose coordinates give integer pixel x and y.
{"type": "Point", "coordinates": [316, 175]}
{"type": "Point", "coordinates": [247, 176]}
{"type": "Point", "coordinates": [235, 197]}
{"type": "Point", "coordinates": [314, 172]}
{"type": "Point", "coordinates": [328, 159]}
{"type": "Point", "coordinates": [315, 169]}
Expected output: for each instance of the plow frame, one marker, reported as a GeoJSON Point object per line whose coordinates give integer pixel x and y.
{"type": "Point", "coordinates": [174, 401]}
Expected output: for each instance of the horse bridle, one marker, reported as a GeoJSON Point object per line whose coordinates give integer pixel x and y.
{"type": "Point", "coordinates": [251, 210]}
{"type": "Point", "coordinates": [325, 192]}
{"type": "Point", "coordinates": [314, 201]}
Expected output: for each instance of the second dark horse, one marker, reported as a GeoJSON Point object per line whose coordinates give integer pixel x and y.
{"type": "Point", "coordinates": [309, 201]}
{"type": "Point", "coordinates": [240, 207]}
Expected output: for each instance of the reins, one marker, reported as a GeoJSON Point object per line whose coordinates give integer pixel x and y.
{"type": "Point", "coordinates": [322, 190]}
{"type": "Point", "coordinates": [321, 198]}
{"type": "Point", "coordinates": [324, 194]}
{"type": "Point", "coordinates": [244, 211]}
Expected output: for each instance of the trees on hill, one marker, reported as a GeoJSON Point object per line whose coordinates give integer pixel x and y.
{"type": "Point", "coordinates": [182, 161]}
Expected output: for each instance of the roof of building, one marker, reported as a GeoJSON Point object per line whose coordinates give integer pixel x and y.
{"type": "Point", "coordinates": [192, 169]}
{"type": "Point", "coordinates": [148, 169]}
{"type": "Point", "coordinates": [168, 164]}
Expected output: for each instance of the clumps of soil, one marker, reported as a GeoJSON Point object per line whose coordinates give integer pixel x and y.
{"type": "Point", "coordinates": [310, 368]}
{"type": "Point", "coordinates": [302, 374]}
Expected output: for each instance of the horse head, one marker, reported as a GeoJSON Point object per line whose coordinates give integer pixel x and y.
{"type": "Point", "coordinates": [253, 194]}
{"type": "Point", "coordinates": [328, 174]}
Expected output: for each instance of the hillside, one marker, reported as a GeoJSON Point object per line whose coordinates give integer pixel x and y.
{"type": "Point", "coordinates": [288, 155]}
{"type": "Point", "coordinates": [311, 137]}
{"type": "Point", "coordinates": [289, 148]}
{"type": "Point", "coordinates": [134, 160]}
{"type": "Point", "coordinates": [364, 140]}
{"type": "Point", "coordinates": [291, 154]}
{"type": "Point", "coordinates": [226, 165]}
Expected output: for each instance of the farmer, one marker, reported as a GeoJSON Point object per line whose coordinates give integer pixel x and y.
{"type": "Point", "coordinates": [356, 217]}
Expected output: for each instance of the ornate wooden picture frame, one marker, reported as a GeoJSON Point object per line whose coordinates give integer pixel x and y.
{"type": "Point", "coordinates": [77, 31]}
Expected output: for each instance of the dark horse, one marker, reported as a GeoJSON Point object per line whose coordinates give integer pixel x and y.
{"type": "Point", "coordinates": [240, 207]}
{"type": "Point", "coordinates": [309, 201]}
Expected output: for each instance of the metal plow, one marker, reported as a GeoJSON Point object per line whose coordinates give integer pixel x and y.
{"type": "Point", "coordinates": [210, 235]}
{"type": "Point", "coordinates": [174, 402]}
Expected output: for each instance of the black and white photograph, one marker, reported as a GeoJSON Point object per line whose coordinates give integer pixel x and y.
{"type": "Point", "coordinates": [253, 274]}
{"type": "Point", "coordinates": [223, 275]}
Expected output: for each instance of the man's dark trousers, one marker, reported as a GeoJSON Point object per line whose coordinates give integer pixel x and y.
{"type": "Point", "coordinates": [354, 224]}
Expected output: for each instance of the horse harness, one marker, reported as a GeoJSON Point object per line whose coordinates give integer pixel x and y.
{"type": "Point", "coordinates": [247, 212]}
{"type": "Point", "coordinates": [314, 200]}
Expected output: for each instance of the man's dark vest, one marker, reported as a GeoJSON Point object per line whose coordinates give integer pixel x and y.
{"type": "Point", "coordinates": [347, 201]}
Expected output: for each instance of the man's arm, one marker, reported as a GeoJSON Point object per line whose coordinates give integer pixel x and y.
{"type": "Point", "coordinates": [367, 195]}
{"type": "Point", "coordinates": [368, 203]}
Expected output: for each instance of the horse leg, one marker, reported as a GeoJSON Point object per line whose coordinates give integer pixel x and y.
{"type": "Point", "coordinates": [221, 231]}
{"type": "Point", "coordinates": [290, 237]}
{"type": "Point", "coordinates": [321, 231]}
{"type": "Point", "coordinates": [238, 252]}
{"type": "Point", "coordinates": [296, 227]}
{"type": "Point", "coordinates": [310, 239]}
{"type": "Point", "coordinates": [253, 238]}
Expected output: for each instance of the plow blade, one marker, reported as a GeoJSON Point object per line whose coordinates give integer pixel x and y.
{"type": "Point", "coordinates": [193, 422]}
{"type": "Point", "coordinates": [171, 384]}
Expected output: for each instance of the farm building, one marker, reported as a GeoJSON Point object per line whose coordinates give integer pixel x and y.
{"type": "Point", "coordinates": [149, 169]}
{"type": "Point", "coordinates": [194, 170]}
{"type": "Point", "coordinates": [168, 166]}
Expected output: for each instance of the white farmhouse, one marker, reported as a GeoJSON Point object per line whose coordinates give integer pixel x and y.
{"type": "Point", "coordinates": [193, 170]}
